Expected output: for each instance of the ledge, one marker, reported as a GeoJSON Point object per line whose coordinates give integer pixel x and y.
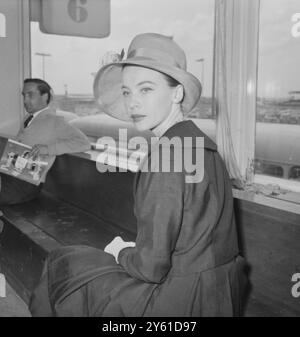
{"type": "Point", "coordinates": [269, 201]}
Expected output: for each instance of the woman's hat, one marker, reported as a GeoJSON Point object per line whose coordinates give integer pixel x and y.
{"type": "Point", "coordinates": [153, 51]}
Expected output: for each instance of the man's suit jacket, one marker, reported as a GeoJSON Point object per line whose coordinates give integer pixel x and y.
{"type": "Point", "coordinates": [49, 129]}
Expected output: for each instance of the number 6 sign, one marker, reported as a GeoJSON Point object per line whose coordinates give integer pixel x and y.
{"type": "Point", "coordinates": [77, 13]}
{"type": "Point", "coordinates": [88, 18]}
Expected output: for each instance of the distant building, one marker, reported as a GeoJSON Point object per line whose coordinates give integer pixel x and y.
{"type": "Point", "coordinates": [294, 96]}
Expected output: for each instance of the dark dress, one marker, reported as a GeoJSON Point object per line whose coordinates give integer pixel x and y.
{"type": "Point", "coordinates": [186, 261]}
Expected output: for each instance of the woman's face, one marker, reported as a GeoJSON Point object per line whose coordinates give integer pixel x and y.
{"type": "Point", "coordinates": [148, 96]}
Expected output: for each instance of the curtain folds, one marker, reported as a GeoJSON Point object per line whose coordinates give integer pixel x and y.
{"type": "Point", "coordinates": [223, 66]}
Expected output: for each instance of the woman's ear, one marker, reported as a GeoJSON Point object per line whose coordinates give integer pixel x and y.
{"type": "Point", "coordinates": [178, 94]}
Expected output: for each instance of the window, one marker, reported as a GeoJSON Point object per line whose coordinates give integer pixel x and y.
{"type": "Point", "coordinates": [69, 63]}
{"type": "Point", "coordinates": [277, 150]}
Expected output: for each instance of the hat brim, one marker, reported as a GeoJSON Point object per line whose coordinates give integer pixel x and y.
{"type": "Point", "coordinates": [108, 84]}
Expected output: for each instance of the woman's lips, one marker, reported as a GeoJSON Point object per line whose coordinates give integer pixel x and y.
{"type": "Point", "coordinates": [137, 117]}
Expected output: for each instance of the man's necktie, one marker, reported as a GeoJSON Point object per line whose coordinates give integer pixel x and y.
{"type": "Point", "coordinates": [27, 121]}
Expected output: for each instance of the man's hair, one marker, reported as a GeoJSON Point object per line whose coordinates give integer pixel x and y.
{"type": "Point", "coordinates": [43, 87]}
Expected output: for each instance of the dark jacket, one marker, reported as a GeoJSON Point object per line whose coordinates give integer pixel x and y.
{"type": "Point", "coordinates": [186, 261]}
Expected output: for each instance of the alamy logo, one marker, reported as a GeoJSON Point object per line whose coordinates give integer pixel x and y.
{"type": "Point", "coordinates": [167, 155]}
{"type": "Point", "coordinates": [2, 286]}
{"type": "Point", "coordinates": [296, 287]}
{"type": "Point", "coordinates": [296, 27]}
{"type": "Point", "coordinates": [2, 25]}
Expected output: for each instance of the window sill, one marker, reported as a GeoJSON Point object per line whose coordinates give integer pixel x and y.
{"type": "Point", "coordinates": [270, 201]}
{"type": "Point", "coordinates": [289, 185]}
{"type": "Point", "coordinates": [116, 160]}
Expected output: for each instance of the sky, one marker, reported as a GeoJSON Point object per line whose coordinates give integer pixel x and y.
{"type": "Point", "coordinates": [279, 49]}
{"type": "Point", "coordinates": [73, 60]}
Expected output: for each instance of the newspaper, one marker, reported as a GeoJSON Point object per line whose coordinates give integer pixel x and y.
{"type": "Point", "coordinates": [15, 160]}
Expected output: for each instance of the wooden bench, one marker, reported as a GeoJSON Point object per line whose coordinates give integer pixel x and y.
{"type": "Point", "coordinates": [78, 206]}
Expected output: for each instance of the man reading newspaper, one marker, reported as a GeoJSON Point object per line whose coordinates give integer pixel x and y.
{"type": "Point", "coordinates": [47, 135]}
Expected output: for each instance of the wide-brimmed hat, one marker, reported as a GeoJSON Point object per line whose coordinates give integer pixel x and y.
{"type": "Point", "coordinates": [153, 51]}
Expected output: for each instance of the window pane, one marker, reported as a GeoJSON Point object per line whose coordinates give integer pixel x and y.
{"type": "Point", "coordinates": [278, 103]}
{"type": "Point", "coordinates": [73, 61]}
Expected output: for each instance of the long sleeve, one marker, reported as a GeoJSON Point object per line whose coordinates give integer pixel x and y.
{"type": "Point", "coordinates": [68, 139]}
{"type": "Point", "coordinates": [159, 207]}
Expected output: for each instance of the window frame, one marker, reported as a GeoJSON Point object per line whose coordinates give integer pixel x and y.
{"type": "Point", "coordinates": [17, 34]}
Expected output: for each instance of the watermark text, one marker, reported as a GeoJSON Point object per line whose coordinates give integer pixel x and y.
{"type": "Point", "coordinates": [176, 154]}
{"type": "Point", "coordinates": [2, 286]}
{"type": "Point", "coordinates": [296, 27]}
{"type": "Point", "coordinates": [296, 287]}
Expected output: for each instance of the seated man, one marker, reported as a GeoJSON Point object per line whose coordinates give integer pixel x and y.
{"type": "Point", "coordinates": [47, 133]}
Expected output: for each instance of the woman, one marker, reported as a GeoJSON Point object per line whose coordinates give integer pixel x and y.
{"type": "Point", "coordinates": [185, 261]}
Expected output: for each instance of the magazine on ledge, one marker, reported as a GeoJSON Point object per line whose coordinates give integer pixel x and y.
{"type": "Point", "coordinates": [15, 160]}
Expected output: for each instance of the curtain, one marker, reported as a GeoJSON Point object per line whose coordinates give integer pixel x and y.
{"type": "Point", "coordinates": [235, 85]}
{"type": "Point", "coordinates": [223, 39]}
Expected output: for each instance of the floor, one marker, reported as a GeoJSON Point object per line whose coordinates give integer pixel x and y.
{"type": "Point", "coordinates": [12, 305]}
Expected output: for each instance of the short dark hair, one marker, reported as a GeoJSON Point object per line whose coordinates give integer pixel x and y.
{"type": "Point", "coordinates": [43, 87]}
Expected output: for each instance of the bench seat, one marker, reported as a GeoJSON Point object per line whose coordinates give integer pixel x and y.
{"type": "Point", "coordinates": [31, 230]}
{"type": "Point", "coordinates": [78, 206]}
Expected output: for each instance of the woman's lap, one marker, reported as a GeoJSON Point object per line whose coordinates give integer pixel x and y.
{"type": "Point", "coordinates": [72, 271]}
{"type": "Point", "coordinates": [85, 281]}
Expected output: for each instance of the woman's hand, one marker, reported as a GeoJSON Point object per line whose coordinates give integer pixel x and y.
{"type": "Point", "coordinates": [116, 245]}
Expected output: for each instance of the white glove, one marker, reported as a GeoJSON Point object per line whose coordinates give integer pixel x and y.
{"type": "Point", "coordinates": [116, 245]}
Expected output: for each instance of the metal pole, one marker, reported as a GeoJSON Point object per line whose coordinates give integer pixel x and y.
{"type": "Point", "coordinates": [43, 58]}
{"type": "Point", "coordinates": [202, 72]}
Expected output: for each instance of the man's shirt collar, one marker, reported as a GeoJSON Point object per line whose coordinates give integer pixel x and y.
{"type": "Point", "coordinates": [35, 114]}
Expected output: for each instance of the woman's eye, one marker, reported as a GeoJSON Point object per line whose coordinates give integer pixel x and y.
{"type": "Point", "coordinates": [146, 90]}
{"type": "Point", "coordinates": [125, 93]}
